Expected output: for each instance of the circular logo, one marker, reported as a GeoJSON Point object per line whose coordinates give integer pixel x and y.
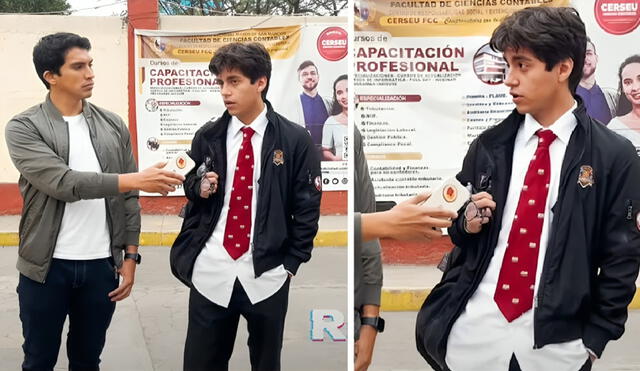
{"type": "Point", "coordinates": [153, 144]}
{"type": "Point", "coordinates": [489, 65]}
{"type": "Point", "coordinates": [151, 105]}
{"type": "Point", "coordinates": [449, 193]}
{"type": "Point", "coordinates": [181, 162]}
{"type": "Point", "coordinates": [332, 43]}
{"type": "Point", "coordinates": [617, 17]}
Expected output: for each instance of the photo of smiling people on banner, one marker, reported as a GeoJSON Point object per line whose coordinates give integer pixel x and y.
{"type": "Point", "coordinates": [627, 121]}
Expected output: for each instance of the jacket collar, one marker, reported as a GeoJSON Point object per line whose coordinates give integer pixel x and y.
{"type": "Point", "coordinates": [52, 111]}
{"type": "Point", "coordinates": [505, 132]}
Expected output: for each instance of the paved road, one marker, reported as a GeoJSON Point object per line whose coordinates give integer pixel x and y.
{"type": "Point", "coordinates": [148, 329]}
{"type": "Point", "coordinates": [396, 350]}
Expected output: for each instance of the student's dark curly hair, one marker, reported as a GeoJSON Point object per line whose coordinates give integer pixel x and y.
{"type": "Point", "coordinates": [551, 34]}
{"type": "Point", "coordinates": [252, 59]}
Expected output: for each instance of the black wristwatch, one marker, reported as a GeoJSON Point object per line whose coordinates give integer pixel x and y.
{"type": "Point", "coordinates": [375, 322]}
{"type": "Point", "coordinates": [134, 256]}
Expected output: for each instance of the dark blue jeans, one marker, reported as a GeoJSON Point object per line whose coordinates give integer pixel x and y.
{"type": "Point", "coordinates": [77, 288]}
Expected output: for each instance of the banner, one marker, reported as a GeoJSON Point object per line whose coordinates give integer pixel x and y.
{"type": "Point", "coordinates": [176, 93]}
{"type": "Point", "coordinates": [427, 83]}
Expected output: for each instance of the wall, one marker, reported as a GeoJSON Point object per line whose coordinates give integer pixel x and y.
{"type": "Point", "coordinates": [22, 88]}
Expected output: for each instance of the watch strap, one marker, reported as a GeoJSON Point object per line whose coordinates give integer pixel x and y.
{"type": "Point", "coordinates": [375, 322]}
{"type": "Point", "coordinates": [134, 256]}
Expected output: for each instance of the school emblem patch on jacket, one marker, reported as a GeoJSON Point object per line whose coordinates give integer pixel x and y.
{"type": "Point", "coordinates": [278, 157]}
{"type": "Point", "coordinates": [585, 178]}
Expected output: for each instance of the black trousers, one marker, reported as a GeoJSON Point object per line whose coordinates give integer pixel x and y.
{"type": "Point", "coordinates": [514, 366]}
{"type": "Point", "coordinates": [79, 289]}
{"type": "Point", "coordinates": [212, 330]}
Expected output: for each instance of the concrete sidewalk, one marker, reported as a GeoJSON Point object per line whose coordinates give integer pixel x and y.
{"type": "Point", "coordinates": [148, 329]}
{"type": "Point", "coordinates": [406, 286]}
{"type": "Point", "coordinates": [161, 230]}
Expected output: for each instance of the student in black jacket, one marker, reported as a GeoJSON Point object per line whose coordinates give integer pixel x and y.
{"type": "Point", "coordinates": [254, 205]}
{"type": "Point", "coordinates": [547, 253]}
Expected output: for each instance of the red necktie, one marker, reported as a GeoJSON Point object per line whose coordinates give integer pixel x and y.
{"type": "Point", "coordinates": [238, 228]}
{"type": "Point", "coordinates": [514, 292]}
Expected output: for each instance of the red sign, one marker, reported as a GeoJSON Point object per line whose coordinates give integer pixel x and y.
{"type": "Point", "coordinates": [617, 17]}
{"type": "Point", "coordinates": [332, 44]}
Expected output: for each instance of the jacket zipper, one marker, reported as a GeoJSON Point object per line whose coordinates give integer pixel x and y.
{"type": "Point", "coordinates": [552, 239]}
{"type": "Point", "coordinates": [261, 195]}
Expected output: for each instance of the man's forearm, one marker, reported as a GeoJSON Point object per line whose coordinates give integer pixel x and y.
{"type": "Point", "coordinates": [370, 311]}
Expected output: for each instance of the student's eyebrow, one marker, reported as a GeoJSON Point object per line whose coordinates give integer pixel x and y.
{"type": "Point", "coordinates": [520, 58]}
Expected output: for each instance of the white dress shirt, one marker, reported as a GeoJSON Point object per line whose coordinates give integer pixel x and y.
{"type": "Point", "coordinates": [84, 234]}
{"type": "Point", "coordinates": [482, 339]}
{"type": "Point", "coordinates": [215, 272]}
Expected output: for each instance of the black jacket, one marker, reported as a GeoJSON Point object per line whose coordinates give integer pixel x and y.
{"type": "Point", "coordinates": [593, 254]}
{"type": "Point", "coordinates": [288, 200]}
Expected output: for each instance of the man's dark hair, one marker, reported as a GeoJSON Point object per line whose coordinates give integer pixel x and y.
{"type": "Point", "coordinates": [306, 64]}
{"type": "Point", "coordinates": [336, 108]}
{"type": "Point", "coordinates": [551, 34]}
{"type": "Point", "coordinates": [624, 106]}
{"type": "Point", "coordinates": [252, 59]}
{"type": "Point", "coordinates": [50, 52]}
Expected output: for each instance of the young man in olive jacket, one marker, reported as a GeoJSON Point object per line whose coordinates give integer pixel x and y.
{"type": "Point", "coordinates": [254, 205]}
{"type": "Point", "coordinates": [547, 252]}
{"type": "Point", "coordinates": [79, 182]}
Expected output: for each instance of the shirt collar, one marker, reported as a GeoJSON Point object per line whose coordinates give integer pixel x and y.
{"type": "Point", "coordinates": [562, 128]}
{"type": "Point", "coordinates": [259, 124]}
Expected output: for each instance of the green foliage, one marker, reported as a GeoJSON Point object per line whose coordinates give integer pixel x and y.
{"type": "Point", "coordinates": [251, 7]}
{"type": "Point", "coordinates": [34, 6]}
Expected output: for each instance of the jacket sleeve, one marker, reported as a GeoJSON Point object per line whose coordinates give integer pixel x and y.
{"type": "Point", "coordinates": [131, 198]}
{"type": "Point", "coordinates": [618, 256]}
{"type": "Point", "coordinates": [459, 236]}
{"type": "Point", "coordinates": [48, 172]}
{"type": "Point", "coordinates": [305, 206]}
{"type": "Point", "coordinates": [371, 285]}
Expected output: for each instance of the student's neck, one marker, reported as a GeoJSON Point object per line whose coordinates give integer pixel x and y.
{"type": "Point", "coordinates": [551, 114]}
{"type": "Point", "coordinates": [588, 82]}
{"type": "Point", "coordinates": [249, 117]}
{"type": "Point", "coordinates": [66, 105]}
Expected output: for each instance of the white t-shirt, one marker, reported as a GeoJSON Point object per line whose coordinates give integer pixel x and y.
{"type": "Point", "coordinates": [333, 136]}
{"type": "Point", "coordinates": [84, 234]}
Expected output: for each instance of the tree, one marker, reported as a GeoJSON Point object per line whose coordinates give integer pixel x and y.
{"type": "Point", "coordinates": [252, 7]}
{"type": "Point", "coordinates": [34, 6]}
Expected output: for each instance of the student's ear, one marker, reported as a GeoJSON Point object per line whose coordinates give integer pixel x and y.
{"type": "Point", "coordinates": [261, 83]}
{"type": "Point", "coordinates": [49, 77]}
{"type": "Point", "coordinates": [565, 67]}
